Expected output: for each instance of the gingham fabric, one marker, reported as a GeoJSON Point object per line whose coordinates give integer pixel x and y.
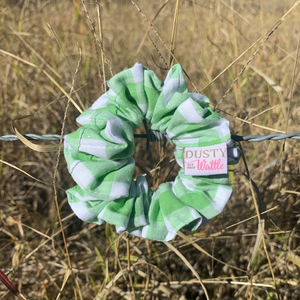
{"type": "Point", "coordinates": [99, 156]}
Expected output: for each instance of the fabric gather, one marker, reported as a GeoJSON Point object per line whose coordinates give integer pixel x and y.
{"type": "Point", "coordinates": [99, 156]}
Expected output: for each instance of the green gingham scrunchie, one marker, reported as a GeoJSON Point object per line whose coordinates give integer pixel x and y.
{"type": "Point", "coordinates": [99, 156]}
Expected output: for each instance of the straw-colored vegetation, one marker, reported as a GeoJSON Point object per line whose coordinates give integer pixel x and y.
{"type": "Point", "coordinates": [54, 37]}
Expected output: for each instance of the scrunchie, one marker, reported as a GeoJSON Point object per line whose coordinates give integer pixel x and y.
{"type": "Point", "coordinates": [99, 156]}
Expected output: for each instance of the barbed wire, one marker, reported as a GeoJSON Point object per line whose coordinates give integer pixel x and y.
{"type": "Point", "coordinates": [30, 136]}
{"type": "Point", "coordinates": [260, 138]}
{"type": "Point", "coordinates": [157, 136]}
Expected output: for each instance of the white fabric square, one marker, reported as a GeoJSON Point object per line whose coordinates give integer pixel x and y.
{"type": "Point", "coordinates": [67, 145]}
{"type": "Point", "coordinates": [221, 198]}
{"type": "Point", "coordinates": [81, 211]}
{"type": "Point", "coordinates": [101, 102]}
{"type": "Point", "coordinates": [168, 225]}
{"type": "Point", "coordinates": [188, 184]}
{"type": "Point", "coordinates": [113, 131]}
{"type": "Point", "coordinates": [170, 134]}
{"type": "Point", "coordinates": [200, 97]}
{"type": "Point", "coordinates": [189, 112]}
{"type": "Point", "coordinates": [118, 190]}
{"type": "Point", "coordinates": [137, 73]}
{"type": "Point", "coordinates": [84, 120]}
{"type": "Point", "coordinates": [222, 128]}
{"type": "Point", "coordinates": [82, 175]}
{"type": "Point", "coordinates": [144, 108]}
{"type": "Point", "coordinates": [93, 147]}
{"type": "Point", "coordinates": [111, 92]}
{"type": "Point", "coordinates": [172, 86]}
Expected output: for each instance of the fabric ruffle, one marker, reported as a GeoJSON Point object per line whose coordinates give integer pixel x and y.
{"type": "Point", "coordinates": [99, 156]}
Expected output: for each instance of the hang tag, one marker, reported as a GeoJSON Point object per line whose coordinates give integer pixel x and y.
{"type": "Point", "coordinates": [203, 161]}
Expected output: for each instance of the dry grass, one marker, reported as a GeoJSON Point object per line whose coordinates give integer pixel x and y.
{"type": "Point", "coordinates": [209, 36]}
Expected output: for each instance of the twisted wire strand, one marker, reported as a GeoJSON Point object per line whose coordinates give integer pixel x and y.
{"type": "Point", "coordinates": [158, 136]}
{"type": "Point", "coordinates": [260, 138]}
{"type": "Point", "coordinates": [30, 136]}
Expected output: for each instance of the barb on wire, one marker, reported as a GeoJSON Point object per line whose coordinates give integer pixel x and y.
{"type": "Point", "coordinates": [154, 136]}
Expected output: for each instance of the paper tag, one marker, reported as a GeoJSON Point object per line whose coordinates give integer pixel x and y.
{"type": "Point", "coordinates": [209, 160]}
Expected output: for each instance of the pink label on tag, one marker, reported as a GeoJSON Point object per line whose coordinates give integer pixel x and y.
{"type": "Point", "coordinates": [209, 160]}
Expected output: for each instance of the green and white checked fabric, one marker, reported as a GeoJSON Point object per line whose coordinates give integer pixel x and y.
{"type": "Point", "coordinates": [99, 156]}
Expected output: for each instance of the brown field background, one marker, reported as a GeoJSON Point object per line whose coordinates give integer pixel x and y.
{"type": "Point", "coordinates": [38, 36]}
